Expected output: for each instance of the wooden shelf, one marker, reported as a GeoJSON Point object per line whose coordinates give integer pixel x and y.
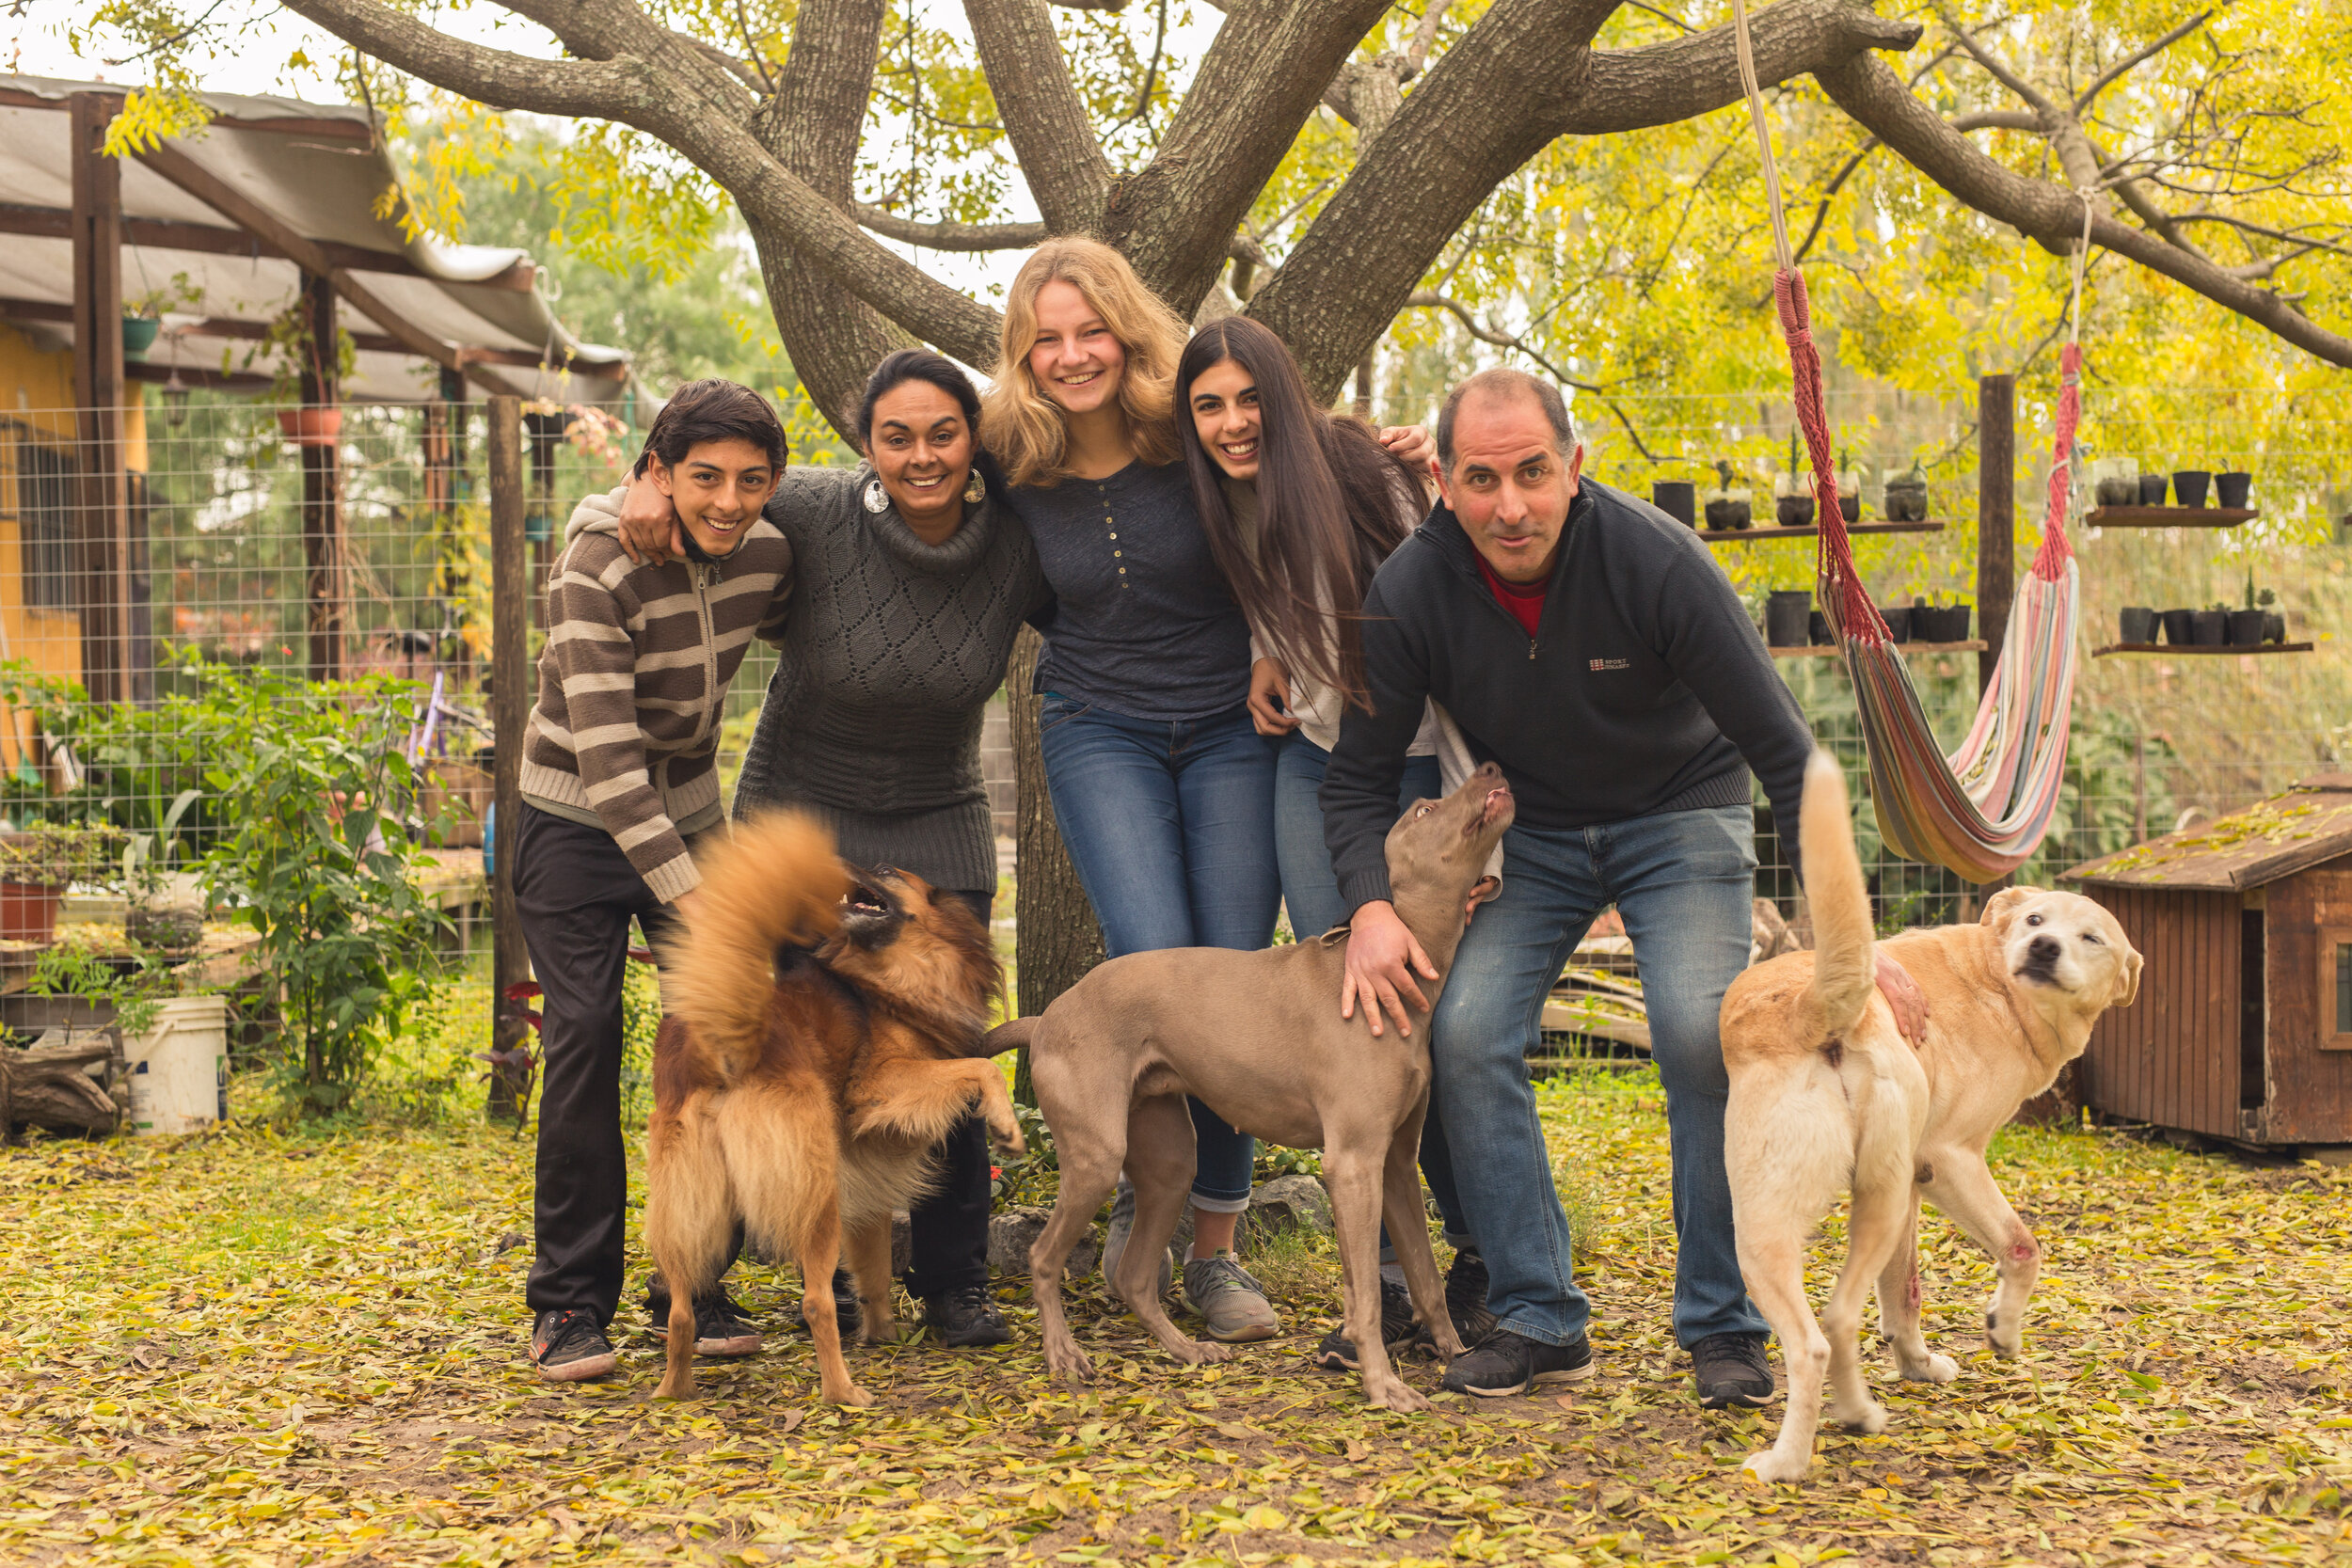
{"type": "Point", "coordinates": [2171, 516]}
{"type": "Point", "coordinates": [1823, 650]}
{"type": "Point", "coordinates": [1748, 536]}
{"type": "Point", "coordinates": [2195, 649]}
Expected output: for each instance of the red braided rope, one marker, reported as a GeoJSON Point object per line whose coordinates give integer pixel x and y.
{"type": "Point", "coordinates": [1844, 600]}
{"type": "Point", "coordinates": [2057, 550]}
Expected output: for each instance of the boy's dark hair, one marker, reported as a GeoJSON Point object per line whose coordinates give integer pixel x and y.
{"type": "Point", "coordinates": [1507, 383]}
{"type": "Point", "coordinates": [711, 410]}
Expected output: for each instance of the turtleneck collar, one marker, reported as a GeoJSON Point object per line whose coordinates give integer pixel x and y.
{"type": "Point", "coordinates": [960, 553]}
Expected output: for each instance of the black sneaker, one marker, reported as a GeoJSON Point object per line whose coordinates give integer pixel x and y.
{"type": "Point", "coordinates": [1398, 1331]}
{"type": "Point", "coordinates": [1730, 1369]}
{"type": "Point", "coordinates": [721, 1327]}
{"type": "Point", "coordinates": [966, 1316]}
{"type": "Point", "coordinates": [1465, 1297]}
{"type": "Point", "coordinates": [1508, 1363]}
{"type": "Point", "coordinates": [570, 1346]}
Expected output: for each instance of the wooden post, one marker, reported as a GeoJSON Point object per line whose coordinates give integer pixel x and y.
{"type": "Point", "coordinates": [322, 488]}
{"type": "Point", "coordinates": [103, 552]}
{"type": "Point", "coordinates": [1996, 516]}
{"type": "Point", "coordinates": [510, 711]}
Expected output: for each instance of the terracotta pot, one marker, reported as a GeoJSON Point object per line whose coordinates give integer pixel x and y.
{"type": "Point", "coordinates": [2188, 486]}
{"type": "Point", "coordinates": [2179, 627]}
{"type": "Point", "coordinates": [1785, 618]}
{"type": "Point", "coordinates": [311, 427]}
{"type": "Point", "coordinates": [2245, 628]}
{"type": "Point", "coordinates": [28, 911]}
{"type": "Point", "coordinates": [2139, 626]}
{"type": "Point", "coordinates": [1677, 500]}
{"type": "Point", "coordinates": [2231, 489]}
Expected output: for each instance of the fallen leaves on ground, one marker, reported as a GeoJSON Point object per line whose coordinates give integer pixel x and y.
{"type": "Point", "coordinates": [250, 1347]}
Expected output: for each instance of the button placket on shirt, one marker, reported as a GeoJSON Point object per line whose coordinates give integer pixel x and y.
{"type": "Point", "coordinates": [1110, 525]}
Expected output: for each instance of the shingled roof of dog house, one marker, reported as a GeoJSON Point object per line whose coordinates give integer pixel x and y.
{"type": "Point", "coordinates": [276, 203]}
{"type": "Point", "coordinates": [2243, 1029]}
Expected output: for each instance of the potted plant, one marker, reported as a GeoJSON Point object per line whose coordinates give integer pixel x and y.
{"type": "Point", "coordinates": [298, 359]}
{"type": "Point", "coordinates": [38, 863]}
{"type": "Point", "coordinates": [1792, 492]}
{"type": "Point", "coordinates": [2274, 620]}
{"type": "Point", "coordinates": [2188, 486]}
{"type": "Point", "coordinates": [2250, 622]}
{"type": "Point", "coordinates": [1816, 630]}
{"type": "Point", "coordinates": [2114, 481]}
{"type": "Point", "coordinates": [1907, 495]}
{"type": "Point", "coordinates": [1849, 491]}
{"type": "Point", "coordinates": [1678, 499]}
{"type": "Point", "coordinates": [1786, 613]}
{"type": "Point", "coordinates": [166, 906]}
{"type": "Point", "coordinates": [1728, 505]}
{"type": "Point", "coordinates": [2210, 626]}
{"type": "Point", "coordinates": [2152, 488]}
{"type": "Point", "coordinates": [2232, 488]}
{"type": "Point", "coordinates": [2179, 627]}
{"type": "Point", "coordinates": [1898, 619]}
{"type": "Point", "coordinates": [2138, 628]}
{"type": "Point", "coordinates": [143, 314]}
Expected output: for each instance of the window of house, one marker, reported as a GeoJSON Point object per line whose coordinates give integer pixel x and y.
{"type": "Point", "coordinates": [46, 479]}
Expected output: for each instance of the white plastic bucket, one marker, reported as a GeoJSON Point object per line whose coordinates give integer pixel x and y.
{"type": "Point", "coordinates": [179, 1070]}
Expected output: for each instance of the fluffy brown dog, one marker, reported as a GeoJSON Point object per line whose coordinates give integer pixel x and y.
{"type": "Point", "coordinates": [1827, 1095]}
{"type": "Point", "coordinates": [827, 1040]}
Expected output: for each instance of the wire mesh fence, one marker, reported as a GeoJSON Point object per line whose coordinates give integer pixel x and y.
{"type": "Point", "coordinates": [353, 566]}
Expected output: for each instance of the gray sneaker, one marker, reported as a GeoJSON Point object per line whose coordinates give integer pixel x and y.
{"type": "Point", "coordinates": [1232, 1305]}
{"type": "Point", "coordinates": [1115, 1237]}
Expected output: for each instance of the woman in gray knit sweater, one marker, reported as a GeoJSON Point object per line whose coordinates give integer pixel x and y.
{"type": "Point", "coordinates": [910, 578]}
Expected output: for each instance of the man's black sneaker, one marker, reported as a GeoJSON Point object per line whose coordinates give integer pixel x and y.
{"type": "Point", "coordinates": [1465, 1297]}
{"type": "Point", "coordinates": [570, 1346]}
{"type": "Point", "coordinates": [1398, 1331]}
{"type": "Point", "coordinates": [721, 1327]}
{"type": "Point", "coordinates": [1730, 1369]}
{"type": "Point", "coordinates": [966, 1316]}
{"type": "Point", "coordinates": [1508, 1363]}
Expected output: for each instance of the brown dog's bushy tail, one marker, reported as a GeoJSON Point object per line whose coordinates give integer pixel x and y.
{"type": "Point", "coordinates": [1844, 968]}
{"type": "Point", "coordinates": [776, 881]}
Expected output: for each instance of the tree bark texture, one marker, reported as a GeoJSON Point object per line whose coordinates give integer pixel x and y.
{"type": "Point", "coordinates": [50, 1087]}
{"type": "Point", "coordinates": [1057, 939]}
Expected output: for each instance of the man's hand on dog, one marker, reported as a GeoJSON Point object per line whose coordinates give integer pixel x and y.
{"type": "Point", "coordinates": [650, 530]}
{"type": "Point", "coordinates": [1903, 994]}
{"type": "Point", "coordinates": [1383, 955]}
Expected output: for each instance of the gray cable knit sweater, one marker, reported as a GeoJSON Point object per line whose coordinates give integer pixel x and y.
{"type": "Point", "coordinates": [891, 650]}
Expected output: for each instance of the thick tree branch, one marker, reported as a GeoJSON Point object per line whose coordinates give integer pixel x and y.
{"type": "Point", "coordinates": [1998, 119]}
{"type": "Point", "coordinates": [1631, 89]}
{"type": "Point", "coordinates": [1044, 118]}
{"type": "Point", "coordinates": [951, 236]}
{"type": "Point", "coordinates": [2049, 213]}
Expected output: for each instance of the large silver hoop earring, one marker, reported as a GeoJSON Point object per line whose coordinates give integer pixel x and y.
{"type": "Point", "coordinates": [974, 487]}
{"type": "Point", "coordinates": [877, 498]}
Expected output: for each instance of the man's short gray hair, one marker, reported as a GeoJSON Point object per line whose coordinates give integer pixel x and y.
{"type": "Point", "coordinates": [1506, 383]}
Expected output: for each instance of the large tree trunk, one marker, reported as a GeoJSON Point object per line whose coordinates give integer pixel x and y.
{"type": "Point", "coordinates": [1055, 939]}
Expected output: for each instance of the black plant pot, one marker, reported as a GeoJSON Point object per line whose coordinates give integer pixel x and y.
{"type": "Point", "coordinates": [2178, 626]}
{"type": "Point", "coordinates": [1785, 618]}
{"type": "Point", "coordinates": [1897, 623]}
{"type": "Point", "coordinates": [1907, 503]}
{"type": "Point", "coordinates": [2245, 628]}
{"type": "Point", "coordinates": [2188, 486]}
{"type": "Point", "coordinates": [1850, 508]}
{"type": "Point", "coordinates": [2152, 488]}
{"type": "Point", "coordinates": [1816, 630]}
{"type": "Point", "coordinates": [2274, 625]}
{"type": "Point", "coordinates": [1956, 624]}
{"type": "Point", "coordinates": [1677, 500]}
{"type": "Point", "coordinates": [1794, 510]}
{"type": "Point", "coordinates": [2210, 629]}
{"type": "Point", "coordinates": [2139, 626]}
{"type": "Point", "coordinates": [1723, 517]}
{"type": "Point", "coordinates": [2230, 489]}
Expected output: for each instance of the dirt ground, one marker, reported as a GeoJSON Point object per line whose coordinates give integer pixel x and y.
{"type": "Point", "coordinates": [261, 1348]}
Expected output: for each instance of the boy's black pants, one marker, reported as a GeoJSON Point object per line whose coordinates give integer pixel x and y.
{"type": "Point", "coordinates": [577, 894]}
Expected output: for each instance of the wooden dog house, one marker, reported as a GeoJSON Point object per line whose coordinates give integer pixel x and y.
{"type": "Point", "coordinates": [2243, 1029]}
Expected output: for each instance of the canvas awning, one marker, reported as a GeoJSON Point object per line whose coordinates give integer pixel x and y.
{"type": "Point", "coordinates": [233, 214]}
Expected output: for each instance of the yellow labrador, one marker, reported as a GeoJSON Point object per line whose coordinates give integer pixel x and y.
{"type": "Point", "coordinates": [1827, 1096]}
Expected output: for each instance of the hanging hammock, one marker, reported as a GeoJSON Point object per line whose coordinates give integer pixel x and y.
{"type": "Point", "coordinates": [1981, 810]}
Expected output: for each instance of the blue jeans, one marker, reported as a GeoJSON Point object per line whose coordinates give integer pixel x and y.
{"type": "Point", "coordinates": [1310, 891]}
{"type": "Point", "coordinates": [1171, 829]}
{"type": "Point", "coordinates": [1684, 883]}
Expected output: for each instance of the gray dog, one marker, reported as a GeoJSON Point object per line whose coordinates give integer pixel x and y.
{"type": "Point", "coordinates": [1259, 1038]}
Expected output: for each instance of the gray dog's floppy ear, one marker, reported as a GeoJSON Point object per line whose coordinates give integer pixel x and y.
{"type": "Point", "coordinates": [2001, 907]}
{"type": "Point", "coordinates": [2127, 983]}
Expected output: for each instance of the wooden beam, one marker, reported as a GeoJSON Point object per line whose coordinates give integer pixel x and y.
{"type": "Point", "coordinates": [200, 375]}
{"type": "Point", "coordinates": [1996, 516]}
{"type": "Point", "coordinates": [332, 127]}
{"type": "Point", "coordinates": [510, 713]}
{"type": "Point", "coordinates": [324, 612]}
{"type": "Point", "coordinates": [104, 599]}
{"type": "Point", "coordinates": [56, 223]}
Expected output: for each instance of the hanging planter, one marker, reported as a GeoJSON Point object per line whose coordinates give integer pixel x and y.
{"type": "Point", "coordinates": [311, 426]}
{"type": "Point", "coordinates": [138, 336]}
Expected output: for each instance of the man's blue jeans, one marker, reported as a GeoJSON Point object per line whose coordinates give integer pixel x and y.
{"type": "Point", "coordinates": [1684, 883]}
{"type": "Point", "coordinates": [1171, 829]}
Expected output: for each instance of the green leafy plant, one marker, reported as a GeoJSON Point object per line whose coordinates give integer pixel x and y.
{"type": "Point", "coordinates": [287, 345]}
{"type": "Point", "coordinates": [134, 988]}
{"type": "Point", "coordinates": [56, 855]}
{"type": "Point", "coordinates": [316, 853]}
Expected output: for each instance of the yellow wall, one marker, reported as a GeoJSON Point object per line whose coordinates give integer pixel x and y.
{"type": "Point", "coordinates": [36, 395]}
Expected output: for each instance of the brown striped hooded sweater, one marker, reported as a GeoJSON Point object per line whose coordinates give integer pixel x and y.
{"type": "Point", "coordinates": [633, 685]}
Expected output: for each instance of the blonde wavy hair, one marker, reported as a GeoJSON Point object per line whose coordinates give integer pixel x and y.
{"type": "Point", "coordinates": [1020, 425]}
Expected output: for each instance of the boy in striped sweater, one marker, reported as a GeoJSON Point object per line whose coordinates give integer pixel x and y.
{"type": "Point", "coordinates": [619, 778]}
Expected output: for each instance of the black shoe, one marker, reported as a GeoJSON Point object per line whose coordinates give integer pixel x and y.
{"type": "Point", "coordinates": [1465, 1297]}
{"type": "Point", "coordinates": [966, 1315]}
{"type": "Point", "coordinates": [845, 1312]}
{"type": "Point", "coordinates": [570, 1346]}
{"type": "Point", "coordinates": [1508, 1363]}
{"type": "Point", "coordinates": [1730, 1369]}
{"type": "Point", "coordinates": [721, 1327]}
{"type": "Point", "coordinates": [1398, 1331]}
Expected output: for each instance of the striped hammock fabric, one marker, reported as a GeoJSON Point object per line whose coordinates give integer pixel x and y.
{"type": "Point", "coordinates": [1982, 809]}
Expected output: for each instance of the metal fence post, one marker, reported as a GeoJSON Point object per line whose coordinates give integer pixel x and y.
{"type": "Point", "coordinates": [510, 708]}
